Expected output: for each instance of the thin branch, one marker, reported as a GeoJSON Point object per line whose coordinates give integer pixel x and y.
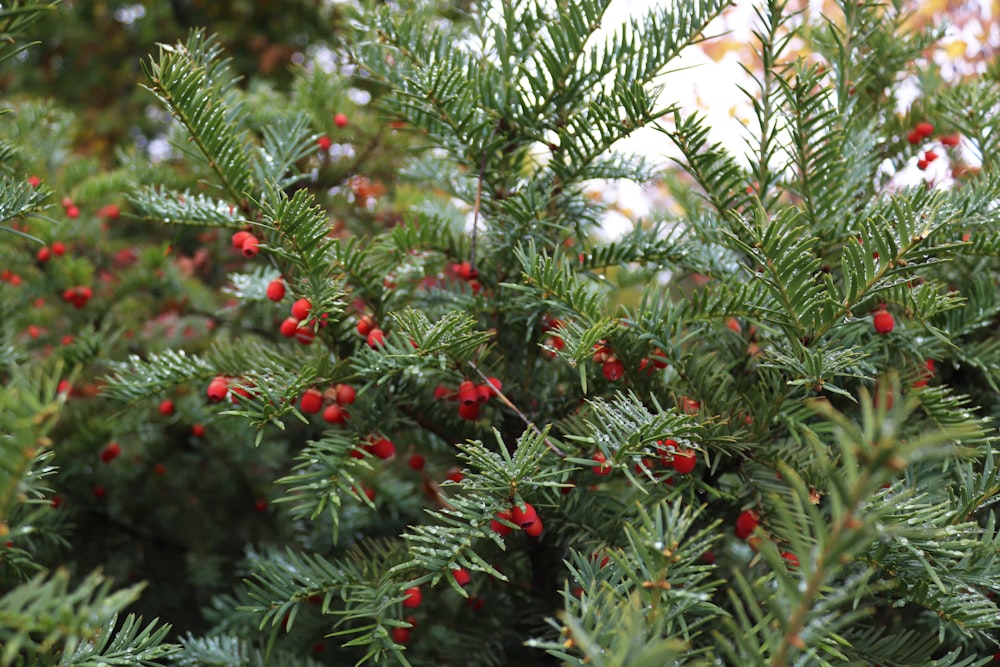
{"type": "Point", "coordinates": [506, 401]}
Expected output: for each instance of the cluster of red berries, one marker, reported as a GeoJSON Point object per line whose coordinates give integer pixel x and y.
{"type": "Point", "coordinates": [378, 447]}
{"type": "Point", "coordinates": [246, 243]}
{"type": "Point", "coordinates": [78, 296]}
{"type": "Point", "coordinates": [292, 327]}
{"type": "Point", "coordinates": [926, 159]}
{"type": "Point", "coordinates": [45, 253]}
{"type": "Point", "coordinates": [219, 388]}
{"type": "Point", "coordinates": [70, 209]}
{"type": "Point", "coordinates": [670, 453]}
{"type": "Point", "coordinates": [9, 276]}
{"type": "Point", "coordinates": [920, 131]}
{"type": "Point", "coordinates": [331, 402]}
{"type": "Point", "coordinates": [470, 396]}
{"type": "Point", "coordinates": [366, 327]}
{"type": "Point", "coordinates": [552, 341]}
{"type": "Point", "coordinates": [525, 518]}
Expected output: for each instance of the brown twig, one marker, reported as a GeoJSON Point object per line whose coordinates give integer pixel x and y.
{"type": "Point", "coordinates": [506, 401]}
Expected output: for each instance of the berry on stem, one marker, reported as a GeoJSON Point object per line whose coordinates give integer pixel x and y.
{"type": "Point", "coordinates": [301, 308]}
{"type": "Point", "coordinates": [604, 468]}
{"type": "Point", "coordinates": [412, 597]}
{"type": "Point", "coordinates": [276, 290]}
{"type": "Point", "coordinates": [685, 461]}
{"type": "Point", "coordinates": [375, 338]}
{"type": "Point", "coordinates": [311, 401]}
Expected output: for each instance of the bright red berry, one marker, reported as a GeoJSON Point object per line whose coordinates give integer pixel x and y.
{"type": "Point", "coordinates": [217, 389]}
{"type": "Point", "coordinates": [383, 448]}
{"type": "Point", "coordinates": [462, 577]}
{"type": "Point", "coordinates": [685, 461]}
{"type": "Point", "coordinates": [468, 411]}
{"type": "Point", "coordinates": [613, 369]}
{"type": "Point", "coordinates": [111, 452]}
{"type": "Point", "coordinates": [301, 308]}
{"type": "Point", "coordinates": [44, 254]}
{"type": "Point", "coordinates": [501, 529]}
{"type": "Point", "coordinates": [334, 414]}
{"type": "Point", "coordinates": [198, 430]}
{"type": "Point", "coordinates": [417, 461]}
{"type": "Point", "coordinates": [340, 120]}
{"type": "Point", "coordinates": [921, 164]}
{"type": "Point", "coordinates": [276, 290]}
{"type": "Point", "coordinates": [400, 635]}
{"type": "Point", "coordinates": [950, 140]}
{"type": "Point", "coordinates": [239, 237]}
{"type": "Point", "coordinates": [523, 517]}
{"type": "Point", "coordinates": [535, 529]}
{"type": "Point", "coordinates": [346, 394]}
{"type": "Point", "coordinates": [311, 401]}
{"type": "Point", "coordinates": [251, 246]}
{"type": "Point", "coordinates": [603, 468]}
{"type": "Point", "coordinates": [288, 327]}
{"type": "Point", "coordinates": [924, 129]}
{"type": "Point", "coordinates": [365, 325]}
{"type": "Point", "coordinates": [34, 181]}
{"type": "Point", "coordinates": [883, 320]}
{"type": "Point", "coordinates": [324, 143]}
{"type": "Point", "coordinates": [166, 407]}
{"type": "Point", "coordinates": [72, 212]}
{"type": "Point", "coordinates": [914, 137]}
{"type": "Point", "coordinates": [412, 597]}
{"type": "Point", "coordinates": [746, 523]}
{"type": "Point", "coordinates": [930, 156]}
{"type": "Point", "coordinates": [375, 338]}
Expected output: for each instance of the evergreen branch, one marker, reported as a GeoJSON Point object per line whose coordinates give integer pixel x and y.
{"type": "Point", "coordinates": [19, 199]}
{"type": "Point", "coordinates": [185, 208]}
{"type": "Point", "coordinates": [130, 645]}
{"type": "Point", "coordinates": [193, 85]}
{"type": "Point", "coordinates": [47, 612]}
{"type": "Point", "coordinates": [286, 141]}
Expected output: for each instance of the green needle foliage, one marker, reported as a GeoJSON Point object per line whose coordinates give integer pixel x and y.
{"type": "Point", "coordinates": [759, 429]}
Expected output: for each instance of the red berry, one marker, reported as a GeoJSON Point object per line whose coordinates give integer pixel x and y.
{"type": "Point", "coordinates": [58, 248]}
{"type": "Point", "coordinates": [666, 449]}
{"type": "Point", "coordinates": [260, 505]}
{"type": "Point", "coordinates": [603, 468]}
{"type": "Point", "coordinates": [950, 140]}
{"type": "Point", "coordinates": [375, 338]}
{"type": "Point", "coordinates": [111, 452]}
{"type": "Point", "coordinates": [924, 129]}
{"type": "Point", "coordinates": [469, 411]}
{"type": "Point", "coordinates": [746, 523]}
{"type": "Point", "coordinates": [276, 290]}
{"type": "Point", "coordinates": [535, 529]}
{"type": "Point", "coordinates": [883, 320]}
{"type": "Point", "coordinates": [34, 181]}
{"type": "Point", "coordinates": [495, 385]}
{"type": "Point", "coordinates": [523, 518]}
{"type": "Point", "coordinates": [441, 392]}
{"type": "Point", "coordinates": [288, 327]}
{"type": "Point", "coordinates": [301, 308]}
{"type": "Point", "coordinates": [346, 394]}
{"type": "Point", "coordinates": [501, 529]}
{"type": "Point", "coordinates": [64, 387]}
{"type": "Point", "coordinates": [462, 577]}
{"type": "Point", "coordinates": [72, 212]}
{"type": "Point", "coordinates": [251, 246]}
{"type": "Point", "coordinates": [417, 461]}
{"type": "Point", "coordinates": [914, 137]}
{"type": "Point", "coordinates": [790, 559]}
{"type": "Point", "coordinates": [324, 143]}
{"type": "Point", "coordinates": [160, 469]}
{"type": "Point", "coordinates": [455, 475]}
{"type": "Point", "coordinates": [930, 156]}
{"type": "Point", "coordinates": [217, 389]}
{"type": "Point", "coordinates": [110, 211]}
{"type": "Point", "coordinates": [365, 325]}
{"type": "Point", "coordinates": [690, 406]}
{"type": "Point", "coordinates": [412, 597]}
{"type": "Point", "coordinates": [613, 369]}
{"type": "Point", "coordinates": [483, 393]}
{"type": "Point", "coordinates": [334, 414]}
{"type": "Point", "coordinates": [685, 461]}
{"type": "Point", "coordinates": [239, 237]}
{"type": "Point", "coordinates": [311, 401]}
{"type": "Point", "coordinates": [921, 164]}
{"type": "Point", "coordinates": [401, 635]}
{"type": "Point", "coordinates": [383, 448]}
{"type": "Point", "coordinates": [43, 254]}
{"type": "Point", "coordinates": [198, 430]}
{"type": "Point", "coordinates": [305, 335]}
{"type": "Point", "coordinates": [167, 407]}
{"type": "Point", "coordinates": [340, 120]}
{"type": "Point", "coordinates": [100, 491]}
